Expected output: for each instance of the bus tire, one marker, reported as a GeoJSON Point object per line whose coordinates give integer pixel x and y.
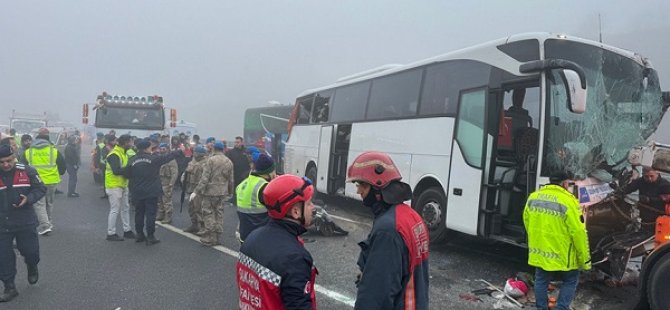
{"type": "Point", "coordinates": [658, 284]}
{"type": "Point", "coordinates": [432, 207]}
{"type": "Point", "coordinates": [311, 174]}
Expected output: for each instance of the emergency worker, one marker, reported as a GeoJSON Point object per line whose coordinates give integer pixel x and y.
{"type": "Point", "coordinates": [20, 188]}
{"type": "Point", "coordinates": [650, 188]}
{"type": "Point", "coordinates": [557, 241]}
{"type": "Point", "coordinates": [50, 165]}
{"type": "Point", "coordinates": [214, 187]}
{"type": "Point", "coordinates": [168, 176]}
{"type": "Point", "coordinates": [394, 258]}
{"type": "Point", "coordinates": [250, 209]}
{"type": "Point", "coordinates": [191, 178]}
{"type": "Point", "coordinates": [274, 270]}
{"type": "Point", "coordinates": [146, 188]}
{"type": "Point", "coordinates": [116, 187]}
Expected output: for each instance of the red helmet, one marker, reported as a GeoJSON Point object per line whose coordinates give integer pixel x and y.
{"type": "Point", "coordinates": [374, 168]}
{"type": "Point", "coordinates": [285, 191]}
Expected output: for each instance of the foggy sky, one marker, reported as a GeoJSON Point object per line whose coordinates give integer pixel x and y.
{"type": "Point", "coordinates": [213, 59]}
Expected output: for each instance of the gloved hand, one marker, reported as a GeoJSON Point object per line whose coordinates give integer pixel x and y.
{"type": "Point", "coordinates": [190, 198]}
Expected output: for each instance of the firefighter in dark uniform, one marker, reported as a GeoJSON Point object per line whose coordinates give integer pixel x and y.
{"type": "Point", "coordinates": [274, 270]}
{"type": "Point", "coordinates": [394, 258]}
{"type": "Point", "coordinates": [20, 188]}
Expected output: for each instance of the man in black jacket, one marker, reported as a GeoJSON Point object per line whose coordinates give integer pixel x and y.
{"type": "Point", "coordinates": [72, 163]}
{"type": "Point", "coordinates": [145, 187]}
{"type": "Point", "coordinates": [20, 188]}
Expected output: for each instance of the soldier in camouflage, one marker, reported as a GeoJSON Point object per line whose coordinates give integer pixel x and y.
{"type": "Point", "coordinates": [214, 187]}
{"type": "Point", "coordinates": [168, 175]}
{"type": "Point", "coordinates": [192, 176]}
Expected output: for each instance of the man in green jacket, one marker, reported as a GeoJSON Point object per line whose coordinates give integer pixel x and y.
{"type": "Point", "coordinates": [557, 241]}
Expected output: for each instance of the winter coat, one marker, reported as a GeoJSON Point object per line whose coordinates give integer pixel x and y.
{"type": "Point", "coordinates": [143, 174]}
{"type": "Point", "coordinates": [22, 180]}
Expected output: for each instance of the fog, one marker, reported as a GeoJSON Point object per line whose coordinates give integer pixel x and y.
{"type": "Point", "coordinates": [213, 59]}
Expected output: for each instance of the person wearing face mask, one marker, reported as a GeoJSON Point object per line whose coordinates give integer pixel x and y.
{"type": "Point", "coordinates": [394, 257]}
{"type": "Point", "coordinates": [20, 188]}
{"type": "Point", "coordinates": [274, 270]}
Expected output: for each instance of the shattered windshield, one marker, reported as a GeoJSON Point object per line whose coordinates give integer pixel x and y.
{"type": "Point", "coordinates": [623, 109]}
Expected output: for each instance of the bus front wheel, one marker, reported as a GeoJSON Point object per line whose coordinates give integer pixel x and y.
{"type": "Point", "coordinates": [432, 206]}
{"type": "Point", "coordinates": [659, 284]}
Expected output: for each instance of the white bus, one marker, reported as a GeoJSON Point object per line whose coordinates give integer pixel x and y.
{"type": "Point", "coordinates": [476, 130]}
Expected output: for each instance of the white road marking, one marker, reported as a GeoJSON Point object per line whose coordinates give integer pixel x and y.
{"type": "Point", "coordinates": [348, 220]}
{"type": "Point", "coordinates": [349, 301]}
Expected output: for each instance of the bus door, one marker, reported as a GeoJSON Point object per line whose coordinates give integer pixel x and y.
{"type": "Point", "coordinates": [514, 158]}
{"type": "Point", "coordinates": [467, 162]}
{"type": "Point", "coordinates": [323, 161]}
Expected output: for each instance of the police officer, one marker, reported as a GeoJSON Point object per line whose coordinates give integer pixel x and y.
{"type": "Point", "coordinates": [394, 258]}
{"type": "Point", "coordinates": [250, 211]}
{"type": "Point", "coordinates": [50, 165]}
{"type": "Point", "coordinates": [20, 188]}
{"type": "Point", "coordinates": [191, 178]}
{"type": "Point", "coordinates": [274, 270]}
{"type": "Point", "coordinates": [214, 187]}
{"type": "Point", "coordinates": [168, 176]}
{"type": "Point", "coordinates": [557, 241]}
{"type": "Point", "coordinates": [145, 188]}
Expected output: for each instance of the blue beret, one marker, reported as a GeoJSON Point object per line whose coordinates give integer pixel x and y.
{"type": "Point", "coordinates": [99, 134]}
{"type": "Point", "coordinates": [210, 139]}
{"type": "Point", "coordinates": [165, 145]}
{"type": "Point", "coordinates": [200, 149]}
{"type": "Point", "coordinates": [219, 145]}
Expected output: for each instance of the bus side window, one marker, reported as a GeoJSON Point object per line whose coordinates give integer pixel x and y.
{"type": "Point", "coordinates": [305, 109]}
{"type": "Point", "coordinates": [321, 108]}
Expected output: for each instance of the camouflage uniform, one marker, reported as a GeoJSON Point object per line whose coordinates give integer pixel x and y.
{"type": "Point", "coordinates": [168, 175]}
{"type": "Point", "coordinates": [214, 187]}
{"type": "Point", "coordinates": [192, 177]}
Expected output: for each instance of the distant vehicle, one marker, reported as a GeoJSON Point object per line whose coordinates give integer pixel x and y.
{"type": "Point", "coordinates": [137, 116]}
{"type": "Point", "coordinates": [57, 135]}
{"type": "Point", "coordinates": [184, 127]}
{"type": "Point", "coordinates": [267, 127]}
{"type": "Point", "coordinates": [24, 123]}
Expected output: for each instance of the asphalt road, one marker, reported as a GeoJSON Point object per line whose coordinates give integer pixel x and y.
{"type": "Point", "coordinates": [81, 270]}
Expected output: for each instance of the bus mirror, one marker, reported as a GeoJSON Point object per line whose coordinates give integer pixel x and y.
{"type": "Point", "coordinates": [576, 94]}
{"type": "Point", "coordinates": [666, 100]}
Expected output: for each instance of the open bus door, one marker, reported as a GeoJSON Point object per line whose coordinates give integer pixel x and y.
{"type": "Point", "coordinates": [467, 162]}
{"type": "Point", "coordinates": [323, 162]}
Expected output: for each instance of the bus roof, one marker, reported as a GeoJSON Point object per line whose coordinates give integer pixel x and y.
{"type": "Point", "coordinates": [481, 52]}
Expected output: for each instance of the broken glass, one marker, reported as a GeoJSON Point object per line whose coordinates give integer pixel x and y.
{"type": "Point", "coordinates": [623, 109]}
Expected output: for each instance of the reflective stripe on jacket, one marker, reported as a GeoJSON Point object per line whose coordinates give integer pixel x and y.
{"type": "Point", "coordinates": [247, 195]}
{"type": "Point", "coordinates": [44, 161]}
{"type": "Point", "coordinates": [112, 180]}
{"type": "Point", "coordinates": [557, 239]}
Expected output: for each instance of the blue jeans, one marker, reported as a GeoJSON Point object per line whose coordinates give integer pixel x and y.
{"type": "Point", "coordinates": [567, 290]}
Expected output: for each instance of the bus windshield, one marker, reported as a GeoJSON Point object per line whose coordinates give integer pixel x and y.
{"type": "Point", "coordinates": [130, 117]}
{"type": "Point", "coordinates": [623, 109]}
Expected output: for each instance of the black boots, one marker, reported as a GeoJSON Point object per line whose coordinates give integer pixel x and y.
{"type": "Point", "coordinates": [9, 293]}
{"type": "Point", "coordinates": [140, 237]}
{"type": "Point", "coordinates": [151, 240]}
{"type": "Point", "coordinates": [129, 234]}
{"type": "Point", "coordinates": [33, 275]}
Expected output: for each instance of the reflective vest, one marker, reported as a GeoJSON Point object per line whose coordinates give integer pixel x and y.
{"type": "Point", "coordinates": [557, 239]}
{"type": "Point", "coordinates": [112, 180]}
{"type": "Point", "coordinates": [247, 195]}
{"type": "Point", "coordinates": [44, 161]}
{"type": "Point", "coordinates": [130, 153]}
